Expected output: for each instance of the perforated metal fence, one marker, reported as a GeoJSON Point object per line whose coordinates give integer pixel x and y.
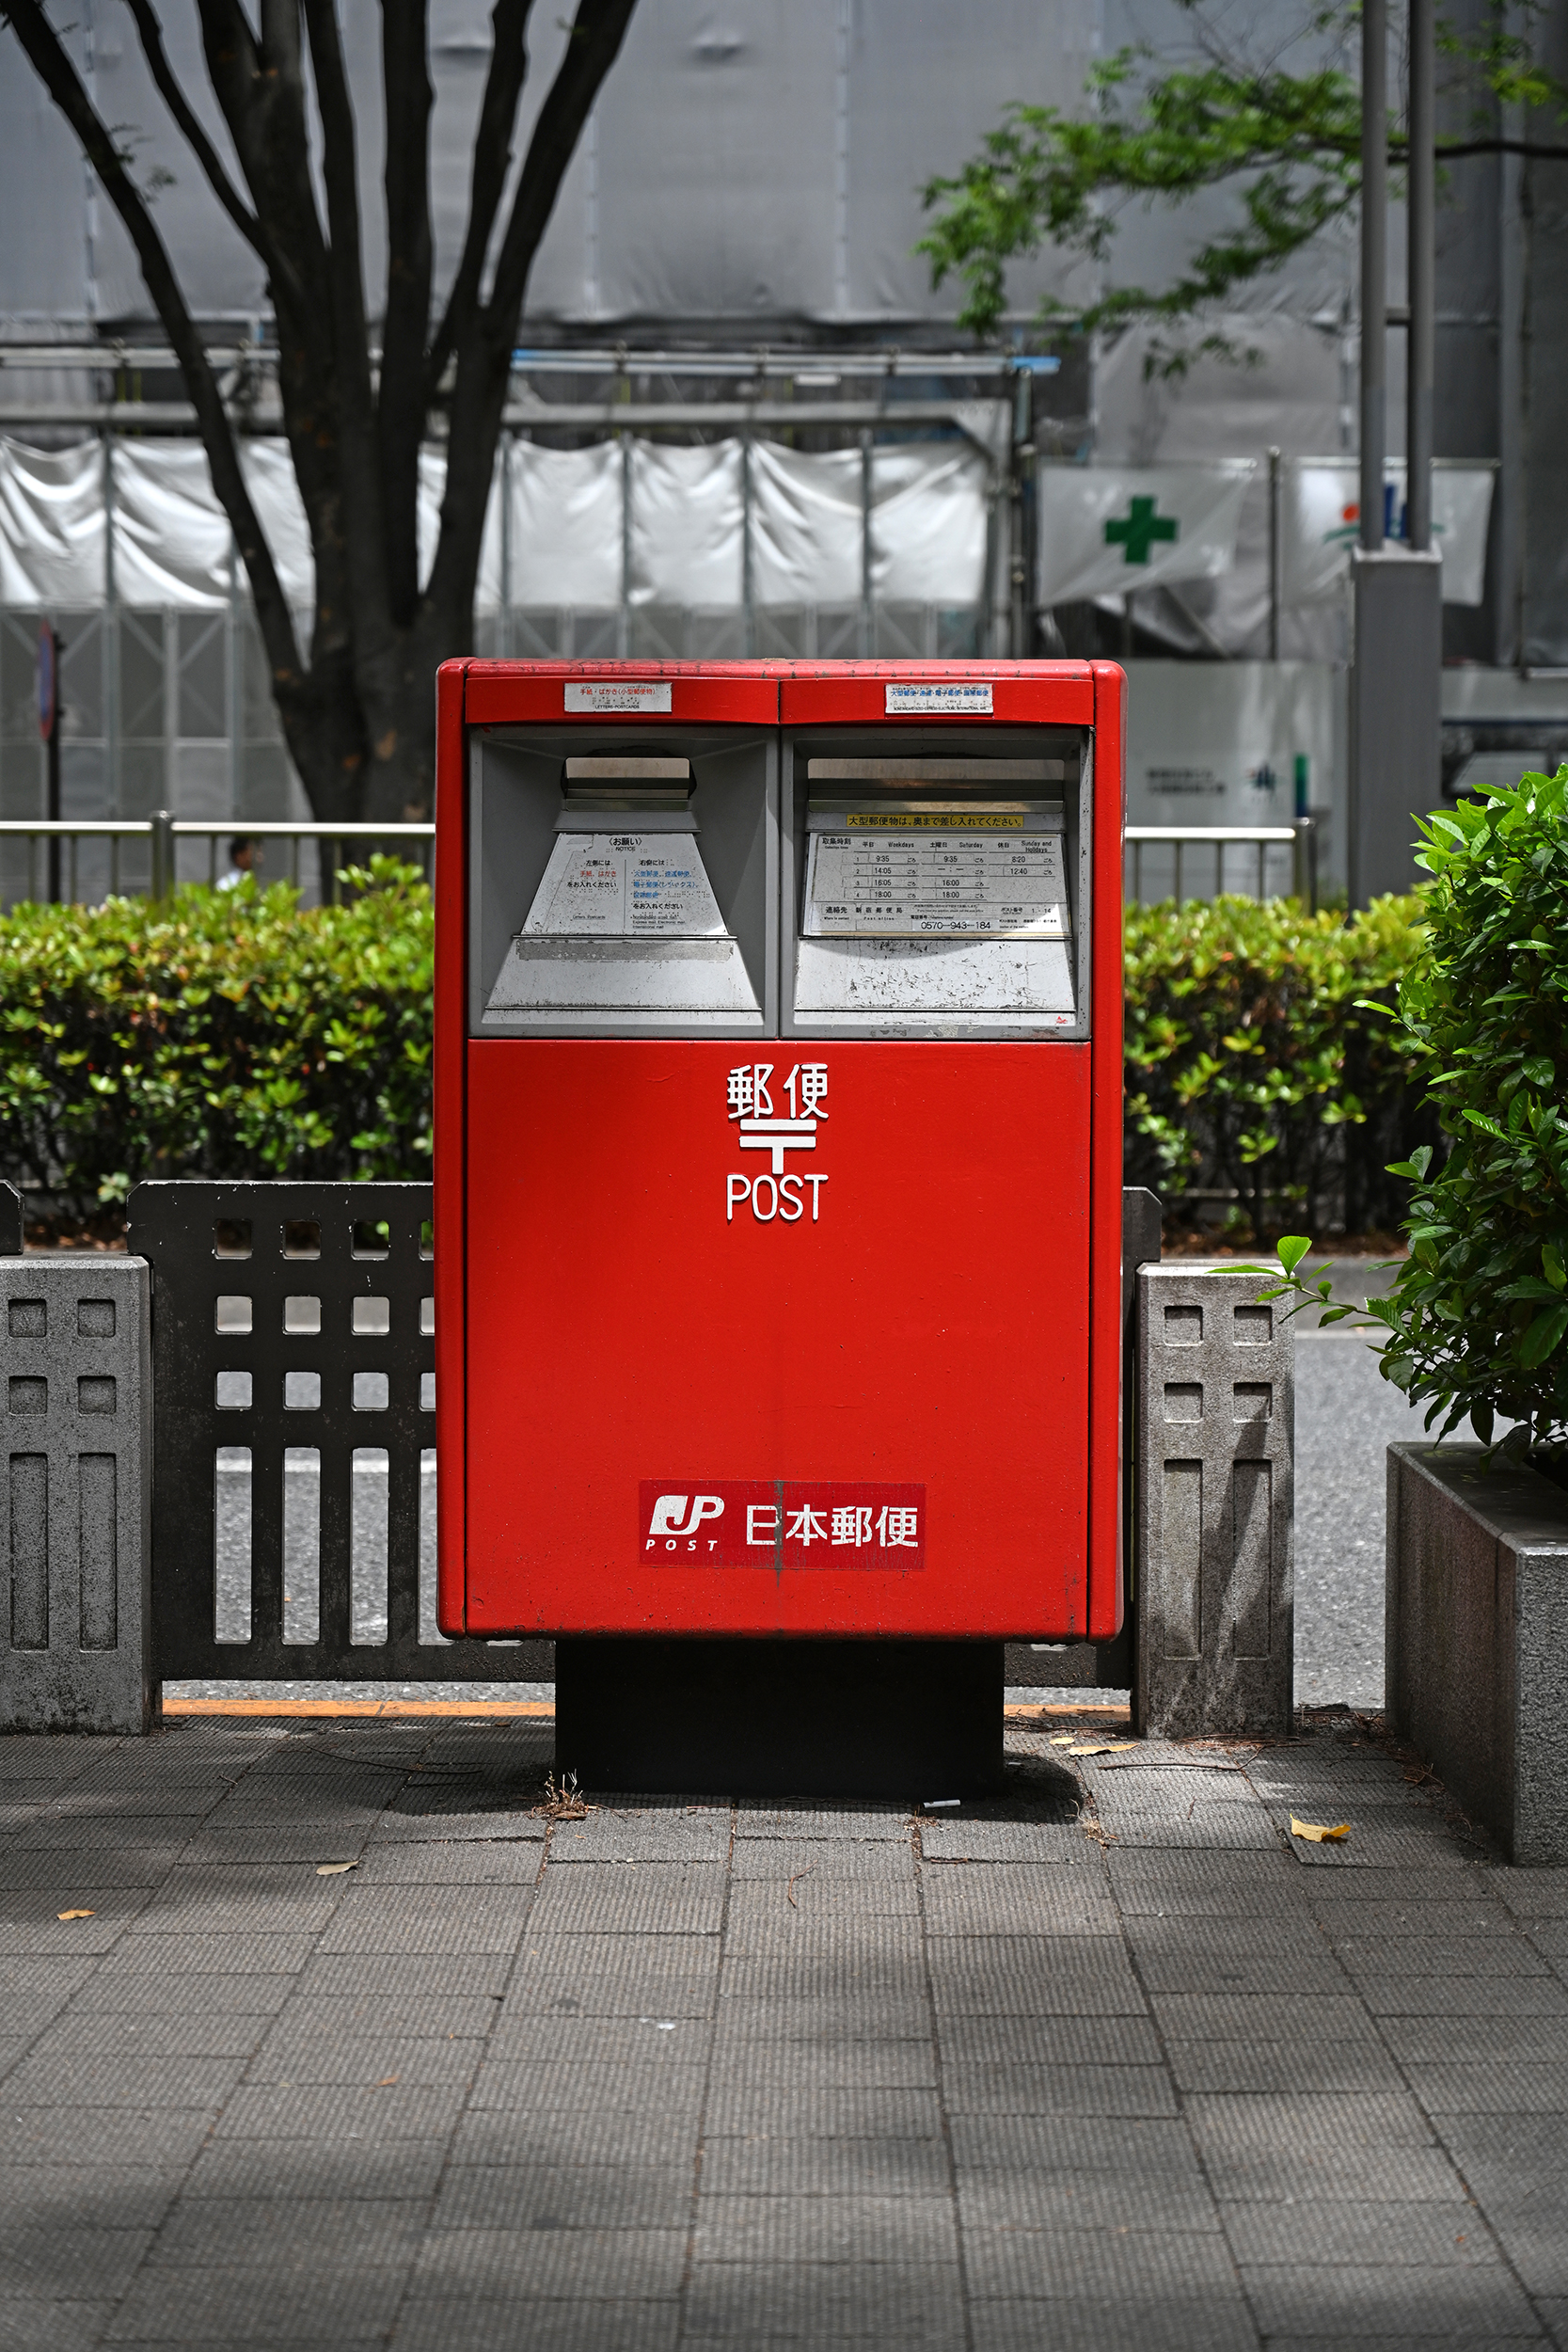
{"type": "Point", "coordinates": [294, 1483]}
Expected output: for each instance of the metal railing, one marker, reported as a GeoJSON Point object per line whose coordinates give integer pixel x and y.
{"type": "Point", "coordinates": [162, 833]}
{"type": "Point", "coordinates": [1300, 838]}
{"type": "Point", "coordinates": [294, 1485]}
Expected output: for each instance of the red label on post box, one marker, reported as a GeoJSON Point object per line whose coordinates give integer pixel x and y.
{"type": "Point", "coordinates": [780, 1523]}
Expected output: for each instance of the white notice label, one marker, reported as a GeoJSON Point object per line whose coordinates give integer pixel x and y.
{"type": "Point", "coordinates": [914, 697]}
{"type": "Point", "coordinates": [962, 882]}
{"type": "Point", "coordinates": [624, 885]}
{"type": "Point", "coordinates": [650, 694]}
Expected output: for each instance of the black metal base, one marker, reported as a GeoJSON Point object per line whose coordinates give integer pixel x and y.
{"type": "Point", "coordinates": [907, 1719]}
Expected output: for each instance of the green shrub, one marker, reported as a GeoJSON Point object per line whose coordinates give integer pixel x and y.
{"type": "Point", "coordinates": [1478, 1318]}
{"type": "Point", "coordinates": [1252, 1066]}
{"type": "Point", "coordinates": [232, 1034]}
{"type": "Point", "coordinates": [227, 1033]}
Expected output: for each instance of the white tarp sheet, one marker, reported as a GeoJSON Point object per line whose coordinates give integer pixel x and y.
{"type": "Point", "coordinates": [806, 546]}
{"type": "Point", "coordinates": [1106, 530]}
{"type": "Point", "coordinates": [556, 534]}
{"type": "Point", "coordinates": [928, 525]}
{"type": "Point", "coordinates": [1322, 518]}
{"type": "Point", "coordinates": [51, 526]}
{"type": "Point", "coordinates": [685, 525]}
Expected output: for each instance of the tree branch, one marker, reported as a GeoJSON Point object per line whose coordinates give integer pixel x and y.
{"type": "Point", "coordinates": [359, 519]}
{"type": "Point", "coordinates": [61, 79]}
{"type": "Point", "coordinates": [401, 406]}
{"type": "Point", "coordinates": [498, 116]}
{"type": "Point", "coordinates": [592, 47]}
{"type": "Point", "coordinates": [486, 339]}
{"type": "Point", "coordinates": [150, 34]}
{"type": "Point", "coordinates": [1534, 148]}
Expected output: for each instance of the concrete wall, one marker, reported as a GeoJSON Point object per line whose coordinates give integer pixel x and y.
{"type": "Point", "coordinates": [1214, 1649]}
{"type": "Point", "coordinates": [75, 1519]}
{"type": "Point", "coordinates": [1478, 1638]}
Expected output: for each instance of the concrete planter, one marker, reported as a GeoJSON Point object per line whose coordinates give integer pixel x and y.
{"type": "Point", "coordinates": [1478, 1638]}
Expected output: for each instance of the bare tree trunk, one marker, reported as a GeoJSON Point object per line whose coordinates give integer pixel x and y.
{"type": "Point", "coordinates": [358, 714]}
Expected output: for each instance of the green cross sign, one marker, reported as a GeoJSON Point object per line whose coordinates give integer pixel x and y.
{"type": "Point", "coordinates": [1140, 529]}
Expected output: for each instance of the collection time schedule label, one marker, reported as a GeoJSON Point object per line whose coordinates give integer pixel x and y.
{"type": "Point", "coordinates": [917, 875]}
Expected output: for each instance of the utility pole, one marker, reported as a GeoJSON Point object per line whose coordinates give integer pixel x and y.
{"type": "Point", "coordinates": [49, 729]}
{"type": "Point", "coordinates": [1396, 671]}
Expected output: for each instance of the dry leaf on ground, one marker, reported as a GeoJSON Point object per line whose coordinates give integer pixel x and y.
{"type": "Point", "coordinates": [564, 1801]}
{"type": "Point", "coordinates": [1318, 1833]}
{"type": "Point", "coordinates": [1100, 1747]}
{"type": "Point", "coordinates": [76, 1915]}
{"type": "Point", "coordinates": [333, 1870]}
{"type": "Point", "coordinates": [1063, 1739]}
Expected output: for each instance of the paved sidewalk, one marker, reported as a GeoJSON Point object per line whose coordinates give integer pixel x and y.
{"type": "Point", "coordinates": [1113, 2063]}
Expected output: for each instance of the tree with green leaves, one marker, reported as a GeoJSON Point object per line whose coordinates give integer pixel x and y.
{"type": "Point", "coordinates": [1286, 146]}
{"type": "Point", "coordinates": [364, 374]}
{"type": "Point", "coordinates": [1476, 1323]}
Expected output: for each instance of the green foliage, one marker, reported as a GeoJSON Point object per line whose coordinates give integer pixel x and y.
{"type": "Point", "coordinates": [231, 1034]}
{"type": "Point", "coordinates": [1044, 177]}
{"type": "Point", "coordinates": [1478, 1319]}
{"type": "Point", "coordinates": [226, 1033]}
{"type": "Point", "coordinates": [1287, 145]}
{"type": "Point", "coordinates": [1258, 1058]}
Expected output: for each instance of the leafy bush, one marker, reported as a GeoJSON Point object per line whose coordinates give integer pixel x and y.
{"type": "Point", "coordinates": [1252, 1065]}
{"type": "Point", "coordinates": [1478, 1318]}
{"type": "Point", "coordinates": [232, 1034]}
{"type": "Point", "coordinates": [226, 1033]}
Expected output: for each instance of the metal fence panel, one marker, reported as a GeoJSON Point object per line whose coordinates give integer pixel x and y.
{"type": "Point", "coordinates": [293, 1336]}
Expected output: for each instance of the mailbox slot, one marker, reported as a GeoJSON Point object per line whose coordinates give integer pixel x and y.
{"type": "Point", "coordinates": [620, 889]}
{"type": "Point", "coordinates": [937, 884]}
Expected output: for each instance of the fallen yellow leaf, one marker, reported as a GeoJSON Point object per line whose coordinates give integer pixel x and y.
{"type": "Point", "coordinates": [1063, 1739]}
{"type": "Point", "coordinates": [1119, 1747]}
{"type": "Point", "coordinates": [1094, 1747]}
{"type": "Point", "coordinates": [76, 1915]}
{"type": "Point", "coordinates": [1318, 1833]}
{"type": "Point", "coordinates": [333, 1870]}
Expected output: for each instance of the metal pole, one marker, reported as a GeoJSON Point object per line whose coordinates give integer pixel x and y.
{"type": "Point", "coordinates": [748, 592]}
{"type": "Point", "coordinates": [505, 630]}
{"type": "Point", "coordinates": [867, 593]}
{"type": "Point", "coordinates": [623, 625]}
{"type": "Point", "coordinates": [1374, 267]}
{"type": "Point", "coordinates": [235, 682]}
{"type": "Point", "coordinates": [111, 635]}
{"type": "Point", "coordinates": [1021, 451]}
{"type": "Point", "coordinates": [1274, 552]}
{"type": "Point", "coordinates": [1421, 358]}
{"type": "Point", "coordinates": [53, 772]}
{"type": "Point", "coordinates": [171, 722]}
{"type": "Point", "coordinates": [160, 826]}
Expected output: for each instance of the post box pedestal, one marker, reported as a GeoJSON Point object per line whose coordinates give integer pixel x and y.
{"type": "Point", "coordinates": [908, 1720]}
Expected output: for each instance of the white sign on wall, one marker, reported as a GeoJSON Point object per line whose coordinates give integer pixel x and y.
{"type": "Point", "coordinates": [1322, 521]}
{"type": "Point", "coordinates": [1104, 531]}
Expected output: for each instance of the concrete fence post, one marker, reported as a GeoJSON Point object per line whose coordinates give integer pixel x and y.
{"type": "Point", "coordinates": [1215, 1504]}
{"type": "Point", "coordinates": [75, 1517]}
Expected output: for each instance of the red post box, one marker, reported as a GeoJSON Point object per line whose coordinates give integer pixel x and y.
{"type": "Point", "coordinates": [778, 1150]}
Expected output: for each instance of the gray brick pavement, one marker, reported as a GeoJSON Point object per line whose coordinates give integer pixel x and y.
{"type": "Point", "coordinates": [1111, 2061]}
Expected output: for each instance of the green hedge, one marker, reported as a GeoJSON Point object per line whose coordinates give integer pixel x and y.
{"type": "Point", "coordinates": [228, 1033]}
{"type": "Point", "coordinates": [1258, 1061]}
{"type": "Point", "coordinates": [232, 1033]}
